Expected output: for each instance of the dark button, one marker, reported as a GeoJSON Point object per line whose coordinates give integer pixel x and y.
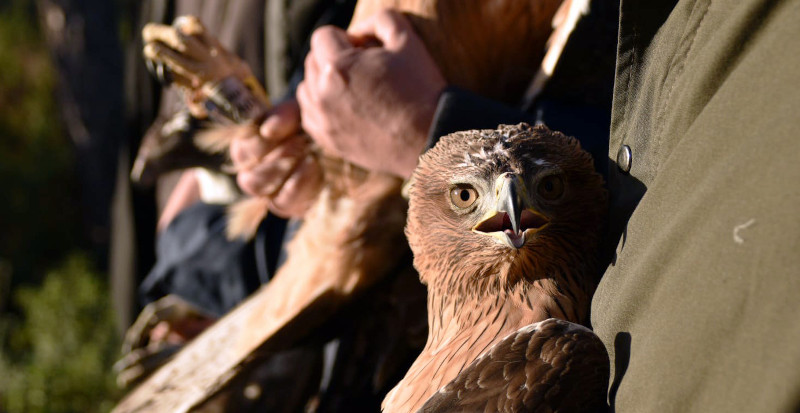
{"type": "Point", "coordinates": [624, 158]}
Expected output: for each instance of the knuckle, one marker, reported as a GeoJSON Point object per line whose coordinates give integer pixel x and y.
{"type": "Point", "coordinates": [308, 125]}
{"type": "Point", "coordinates": [330, 80]}
{"type": "Point", "coordinates": [246, 182]}
{"type": "Point", "coordinates": [308, 63]}
{"type": "Point", "coordinates": [242, 151]}
{"type": "Point", "coordinates": [321, 34]}
{"type": "Point", "coordinates": [237, 154]}
{"type": "Point", "coordinates": [388, 17]}
{"type": "Point", "coordinates": [300, 93]}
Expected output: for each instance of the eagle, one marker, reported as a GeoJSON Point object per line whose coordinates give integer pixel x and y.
{"type": "Point", "coordinates": [505, 227]}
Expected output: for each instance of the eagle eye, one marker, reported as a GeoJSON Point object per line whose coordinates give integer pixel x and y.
{"type": "Point", "coordinates": [463, 196]}
{"type": "Point", "coordinates": [551, 187]}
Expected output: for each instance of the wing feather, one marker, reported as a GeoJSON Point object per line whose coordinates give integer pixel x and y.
{"type": "Point", "coordinates": [550, 366]}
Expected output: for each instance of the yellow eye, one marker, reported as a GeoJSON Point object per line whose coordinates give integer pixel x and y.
{"type": "Point", "coordinates": [551, 187]}
{"type": "Point", "coordinates": [463, 196]}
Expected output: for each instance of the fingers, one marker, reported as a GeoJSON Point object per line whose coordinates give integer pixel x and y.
{"type": "Point", "coordinates": [300, 189]}
{"type": "Point", "coordinates": [312, 120]}
{"type": "Point", "coordinates": [283, 121]}
{"type": "Point", "coordinates": [389, 27]}
{"type": "Point", "coordinates": [329, 42]}
{"type": "Point", "coordinates": [328, 57]}
{"type": "Point", "coordinates": [289, 176]}
{"type": "Point", "coordinates": [248, 148]}
{"type": "Point", "coordinates": [310, 76]}
{"type": "Point", "coordinates": [267, 176]}
{"type": "Point", "coordinates": [315, 120]}
{"type": "Point", "coordinates": [326, 62]}
{"type": "Point", "coordinates": [325, 80]}
{"type": "Point", "coordinates": [266, 161]}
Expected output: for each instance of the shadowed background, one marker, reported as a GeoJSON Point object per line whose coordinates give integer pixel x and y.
{"type": "Point", "coordinates": [61, 117]}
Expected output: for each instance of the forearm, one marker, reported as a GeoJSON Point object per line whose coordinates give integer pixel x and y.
{"type": "Point", "coordinates": [185, 193]}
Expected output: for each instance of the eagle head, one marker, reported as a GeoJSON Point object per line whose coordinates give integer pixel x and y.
{"type": "Point", "coordinates": [493, 208]}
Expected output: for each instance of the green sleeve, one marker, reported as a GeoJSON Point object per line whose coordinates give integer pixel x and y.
{"type": "Point", "coordinates": [700, 308]}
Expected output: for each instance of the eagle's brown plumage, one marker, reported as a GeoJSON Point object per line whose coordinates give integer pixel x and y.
{"type": "Point", "coordinates": [481, 287]}
{"type": "Point", "coordinates": [491, 47]}
{"type": "Point", "coordinates": [552, 365]}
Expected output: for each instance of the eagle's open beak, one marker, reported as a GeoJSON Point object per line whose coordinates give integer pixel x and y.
{"type": "Point", "coordinates": [511, 218]}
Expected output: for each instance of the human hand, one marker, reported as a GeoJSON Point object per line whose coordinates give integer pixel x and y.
{"type": "Point", "coordinates": [369, 105]}
{"type": "Point", "coordinates": [277, 162]}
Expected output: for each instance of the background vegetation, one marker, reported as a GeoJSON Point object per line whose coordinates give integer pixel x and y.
{"type": "Point", "coordinates": [57, 338]}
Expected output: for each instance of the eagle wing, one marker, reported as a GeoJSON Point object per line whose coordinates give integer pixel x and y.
{"type": "Point", "coordinates": [552, 365]}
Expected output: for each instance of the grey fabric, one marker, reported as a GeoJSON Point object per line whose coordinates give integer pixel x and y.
{"type": "Point", "coordinates": [698, 309]}
{"type": "Point", "coordinates": [196, 261]}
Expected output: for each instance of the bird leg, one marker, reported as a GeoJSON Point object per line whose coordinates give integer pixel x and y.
{"type": "Point", "coordinates": [216, 81]}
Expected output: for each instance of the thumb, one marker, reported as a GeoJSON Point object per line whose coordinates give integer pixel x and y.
{"type": "Point", "coordinates": [390, 27]}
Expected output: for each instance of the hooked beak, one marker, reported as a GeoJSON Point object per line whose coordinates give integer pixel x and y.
{"type": "Point", "coordinates": [508, 199]}
{"type": "Point", "coordinates": [511, 219]}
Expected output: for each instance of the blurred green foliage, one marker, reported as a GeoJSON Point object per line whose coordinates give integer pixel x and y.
{"type": "Point", "coordinates": [57, 335]}
{"type": "Point", "coordinates": [58, 359]}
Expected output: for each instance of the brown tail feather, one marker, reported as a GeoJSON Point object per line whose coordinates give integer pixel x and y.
{"type": "Point", "coordinates": [244, 217]}
{"type": "Point", "coordinates": [218, 139]}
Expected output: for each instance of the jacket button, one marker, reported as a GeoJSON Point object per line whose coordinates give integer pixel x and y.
{"type": "Point", "coordinates": [624, 158]}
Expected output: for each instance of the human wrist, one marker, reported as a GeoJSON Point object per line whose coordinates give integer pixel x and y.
{"type": "Point", "coordinates": [418, 139]}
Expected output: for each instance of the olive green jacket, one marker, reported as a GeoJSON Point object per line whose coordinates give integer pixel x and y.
{"type": "Point", "coordinates": [700, 308]}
